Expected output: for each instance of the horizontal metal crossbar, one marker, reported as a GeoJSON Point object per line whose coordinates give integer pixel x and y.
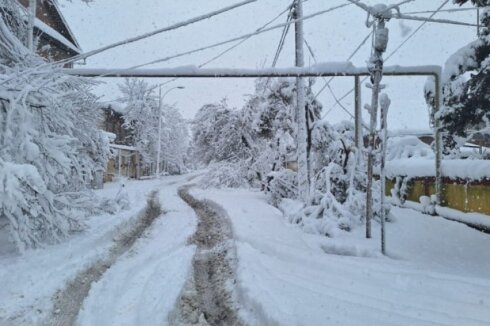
{"type": "Point", "coordinates": [321, 70]}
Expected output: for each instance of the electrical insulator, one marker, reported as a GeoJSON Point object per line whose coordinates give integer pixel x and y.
{"type": "Point", "coordinates": [381, 39]}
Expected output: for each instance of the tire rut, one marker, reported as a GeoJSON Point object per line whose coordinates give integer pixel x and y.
{"type": "Point", "coordinates": [68, 302]}
{"type": "Point", "coordinates": [207, 298]}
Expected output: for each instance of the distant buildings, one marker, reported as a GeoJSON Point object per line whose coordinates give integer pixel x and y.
{"type": "Point", "coordinates": [126, 159]}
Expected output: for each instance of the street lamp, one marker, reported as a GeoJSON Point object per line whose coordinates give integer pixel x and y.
{"type": "Point", "coordinates": [160, 102]}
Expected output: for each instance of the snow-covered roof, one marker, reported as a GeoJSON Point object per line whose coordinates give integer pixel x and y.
{"type": "Point", "coordinates": [410, 132]}
{"type": "Point", "coordinates": [58, 9]}
{"type": "Point", "coordinates": [124, 147]}
{"type": "Point", "coordinates": [48, 30]}
{"type": "Point", "coordinates": [116, 106]}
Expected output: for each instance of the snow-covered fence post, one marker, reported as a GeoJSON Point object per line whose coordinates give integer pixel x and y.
{"type": "Point", "coordinates": [376, 69]}
{"type": "Point", "coordinates": [384, 104]}
{"type": "Point", "coordinates": [303, 173]}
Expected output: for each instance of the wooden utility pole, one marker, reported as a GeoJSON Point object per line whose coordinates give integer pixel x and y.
{"type": "Point", "coordinates": [303, 173]}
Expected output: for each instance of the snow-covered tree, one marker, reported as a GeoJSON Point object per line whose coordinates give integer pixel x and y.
{"type": "Point", "coordinates": [49, 144]}
{"type": "Point", "coordinates": [141, 115]}
{"type": "Point", "coordinates": [466, 86]}
{"type": "Point", "coordinates": [175, 140]}
{"type": "Point", "coordinates": [259, 139]}
{"type": "Point", "coordinates": [217, 134]}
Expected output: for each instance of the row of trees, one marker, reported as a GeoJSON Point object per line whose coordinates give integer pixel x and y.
{"type": "Point", "coordinates": [49, 141]}
{"type": "Point", "coordinates": [252, 146]}
{"type": "Point", "coordinates": [255, 146]}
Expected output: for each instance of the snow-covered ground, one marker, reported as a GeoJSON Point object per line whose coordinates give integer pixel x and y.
{"type": "Point", "coordinates": [29, 282]}
{"type": "Point", "coordinates": [141, 288]}
{"type": "Point", "coordinates": [438, 272]}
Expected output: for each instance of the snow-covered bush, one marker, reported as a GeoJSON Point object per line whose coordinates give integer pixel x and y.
{"type": "Point", "coordinates": [407, 147]}
{"type": "Point", "coordinates": [338, 201]}
{"type": "Point", "coordinates": [49, 145]}
{"type": "Point", "coordinates": [226, 174]}
{"type": "Point", "coordinates": [282, 184]}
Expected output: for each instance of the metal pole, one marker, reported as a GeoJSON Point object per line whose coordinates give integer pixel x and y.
{"type": "Point", "coordinates": [160, 107]}
{"type": "Point", "coordinates": [358, 115]}
{"type": "Point", "coordinates": [119, 164]}
{"type": "Point", "coordinates": [385, 103]}
{"type": "Point", "coordinates": [157, 171]}
{"type": "Point", "coordinates": [478, 20]}
{"type": "Point", "coordinates": [30, 24]}
{"type": "Point", "coordinates": [438, 139]}
{"type": "Point", "coordinates": [376, 62]}
{"type": "Point", "coordinates": [303, 173]}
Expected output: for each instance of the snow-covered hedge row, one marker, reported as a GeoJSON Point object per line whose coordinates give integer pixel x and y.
{"type": "Point", "coordinates": [408, 156]}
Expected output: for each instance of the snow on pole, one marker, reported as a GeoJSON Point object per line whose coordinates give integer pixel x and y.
{"type": "Point", "coordinates": [376, 68]}
{"type": "Point", "coordinates": [384, 104]}
{"type": "Point", "coordinates": [358, 118]}
{"type": "Point", "coordinates": [159, 144]}
{"type": "Point", "coordinates": [30, 24]}
{"type": "Point", "coordinates": [303, 180]}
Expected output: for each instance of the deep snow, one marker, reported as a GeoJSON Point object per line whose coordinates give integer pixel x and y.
{"type": "Point", "coordinates": [142, 287]}
{"type": "Point", "coordinates": [437, 272]}
{"type": "Point", "coordinates": [29, 282]}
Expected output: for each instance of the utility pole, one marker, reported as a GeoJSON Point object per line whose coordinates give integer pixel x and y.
{"type": "Point", "coordinates": [157, 169]}
{"type": "Point", "coordinates": [30, 24]}
{"type": "Point", "coordinates": [376, 70]}
{"type": "Point", "coordinates": [385, 105]}
{"type": "Point", "coordinates": [159, 140]}
{"type": "Point", "coordinates": [301, 135]}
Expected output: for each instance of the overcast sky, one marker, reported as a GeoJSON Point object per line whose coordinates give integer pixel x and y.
{"type": "Point", "coordinates": [332, 36]}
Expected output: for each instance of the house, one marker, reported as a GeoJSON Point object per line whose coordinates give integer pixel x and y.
{"type": "Point", "coordinates": [55, 41]}
{"type": "Point", "coordinates": [125, 161]}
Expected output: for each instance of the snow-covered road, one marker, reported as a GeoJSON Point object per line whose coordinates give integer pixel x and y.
{"type": "Point", "coordinates": [285, 277]}
{"type": "Point", "coordinates": [262, 270]}
{"type": "Point", "coordinates": [141, 288]}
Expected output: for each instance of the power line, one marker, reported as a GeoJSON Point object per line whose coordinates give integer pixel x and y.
{"type": "Point", "coordinates": [395, 50]}
{"type": "Point", "coordinates": [327, 83]}
{"type": "Point", "coordinates": [137, 38]}
{"type": "Point", "coordinates": [158, 31]}
{"type": "Point", "coordinates": [282, 40]}
{"type": "Point", "coordinates": [445, 10]}
{"type": "Point", "coordinates": [348, 59]}
{"type": "Point", "coordinates": [219, 55]}
{"type": "Point", "coordinates": [237, 38]}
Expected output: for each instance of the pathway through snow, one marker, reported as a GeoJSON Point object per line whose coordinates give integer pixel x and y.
{"type": "Point", "coordinates": [69, 300]}
{"type": "Point", "coordinates": [207, 298]}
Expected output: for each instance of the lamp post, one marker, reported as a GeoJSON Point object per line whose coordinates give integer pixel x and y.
{"type": "Point", "coordinates": [160, 104]}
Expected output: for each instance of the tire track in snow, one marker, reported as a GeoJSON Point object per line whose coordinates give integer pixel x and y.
{"type": "Point", "coordinates": [207, 297]}
{"type": "Point", "coordinates": [67, 302]}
